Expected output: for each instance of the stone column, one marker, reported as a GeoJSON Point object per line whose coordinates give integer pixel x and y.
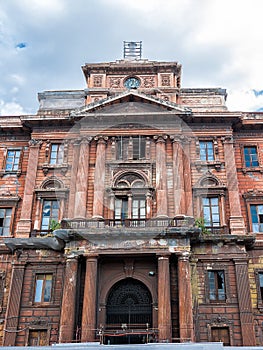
{"type": "Point", "coordinates": [186, 324]}
{"type": "Point", "coordinates": [67, 317]}
{"type": "Point", "coordinates": [24, 223]}
{"type": "Point", "coordinates": [187, 178]}
{"type": "Point", "coordinates": [73, 179]}
{"type": "Point", "coordinates": [89, 302]}
{"type": "Point", "coordinates": [82, 179]}
{"type": "Point", "coordinates": [13, 304]}
{"type": "Point", "coordinates": [245, 303]}
{"type": "Point", "coordinates": [236, 220]}
{"type": "Point", "coordinates": [178, 176]}
{"type": "Point", "coordinates": [164, 300]}
{"type": "Point", "coordinates": [161, 177]}
{"type": "Point", "coordinates": [99, 177]}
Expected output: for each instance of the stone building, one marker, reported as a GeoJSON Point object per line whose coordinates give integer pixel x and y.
{"type": "Point", "coordinates": [131, 211]}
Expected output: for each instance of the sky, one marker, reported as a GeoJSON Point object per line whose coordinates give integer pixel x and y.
{"type": "Point", "coordinates": [44, 43]}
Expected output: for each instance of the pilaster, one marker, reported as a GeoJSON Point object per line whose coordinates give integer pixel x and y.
{"type": "Point", "coordinates": [187, 177]}
{"type": "Point", "coordinates": [73, 178]}
{"type": "Point", "coordinates": [236, 220]}
{"type": "Point", "coordinates": [13, 305]}
{"type": "Point", "coordinates": [161, 176]}
{"type": "Point", "coordinates": [67, 318]}
{"type": "Point", "coordinates": [88, 326]}
{"type": "Point", "coordinates": [245, 304]}
{"type": "Point", "coordinates": [185, 299]}
{"type": "Point", "coordinates": [178, 176]}
{"type": "Point", "coordinates": [164, 300]}
{"type": "Point", "coordinates": [82, 179]}
{"type": "Point", "coordinates": [99, 177]}
{"type": "Point", "coordinates": [25, 221]}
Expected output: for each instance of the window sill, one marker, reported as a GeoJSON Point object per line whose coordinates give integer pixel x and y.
{"type": "Point", "coordinates": [4, 172]}
{"type": "Point", "coordinates": [199, 164]}
{"type": "Point", "coordinates": [44, 305]}
{"type": "Point", "coordinates": [252, 169]}
{"type": "Point", "coordinates": [63, 168]}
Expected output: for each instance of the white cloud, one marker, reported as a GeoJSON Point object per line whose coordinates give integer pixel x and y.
{"type": "Point", "coordinates": [11, 108]}
{"type": "Point", "coordinates": [217, 42]}
{"type": "Point", "coordinates": [244, 100]}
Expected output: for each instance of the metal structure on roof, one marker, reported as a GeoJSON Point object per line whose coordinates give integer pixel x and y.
{"type": "Point", "coordinates": [132, 50]}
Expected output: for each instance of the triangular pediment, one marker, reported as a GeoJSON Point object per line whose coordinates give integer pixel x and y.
{"type": "Point", "coordinates": [130, 102]}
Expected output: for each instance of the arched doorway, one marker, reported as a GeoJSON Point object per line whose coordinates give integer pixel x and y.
{"type": "Point", "coordinates": [128, 313]}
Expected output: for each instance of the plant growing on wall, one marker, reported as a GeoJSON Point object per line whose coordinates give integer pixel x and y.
{"type": "Point", "coordinates": [200, 223]}
{"type": "Point", "coordinates": [54, 225]}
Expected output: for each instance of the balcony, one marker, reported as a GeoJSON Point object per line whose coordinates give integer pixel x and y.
{"type": "Point", "coordinates": [82, 224]}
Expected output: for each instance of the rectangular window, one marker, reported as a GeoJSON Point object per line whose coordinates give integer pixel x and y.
{"type": "Point", "coordinates": [12, 160]}
{"type": "Point", "coordinates": [135, 145]}
{"type": "Point", "coordinates": [206, 151]}
{"type": "Point", "coordinates": [38, 337]}
{"type": "Point", "coordinates": [57, 154]}
{"type": "Point", "coordinates": [256, 212]}
{"type": "Point", "coordinates": [5, 221]}
{"type": "Point", "coordinates": [122, 148]}
{"type": "Point", "coordinates": [121, 208]}
{"type": "Point", "coordinates": [211, 211]}
{"type": "Point", "coordinates": [251, 156]}
{"type": "Point", "coordinates": [139, 143]}
{"type": "Point", "coordinates": [216, 283]}
{"type": "Point", "coordinates": [43, 288]}
{"type": "Point", "coordinates": [260, 280]}
{"type": "Point", "coordinates": [139, 208]}
{"type": "Point", "coordinates": [50, 211]}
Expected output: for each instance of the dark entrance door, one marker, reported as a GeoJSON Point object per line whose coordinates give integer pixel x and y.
{"type": "Point", "coordinates": [129, 313]}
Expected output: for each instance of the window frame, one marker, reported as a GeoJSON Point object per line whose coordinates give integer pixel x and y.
{"type": "Point", "coordinates": [250, 215]}
{"type": "Point", "coordinates": [42, 302]}
{"type": "Point", "coordinates": [250, 165]}
{"type": "Point", "coordinates": [211, 206]}
{"type": "Point", "coordinates": [259, 287]}
{"type": "Point", "coordinates": [10, 203]}
{"type": "Point", "coordinates": [59, 155]}
{"type": "Point", "coordinates": [217, 300]}
{"type": "Point", "coordinates": [206, 159]}
{"type": "Point", "coordinates": [4, 227]}
{"type": "Point", "coordinates": [46, 199]}
{"type": "Point", "coordinates": [128, 148]}
{"type": "Point", "coordinates": [18, 170]}
{"type": "Point", "coordinates": [62, 166]}
{"type": "Point", "coordinates": [244, 168]}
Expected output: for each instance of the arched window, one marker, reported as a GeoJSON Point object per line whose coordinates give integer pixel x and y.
{"type": "Point", "coordinates": [130, 203]}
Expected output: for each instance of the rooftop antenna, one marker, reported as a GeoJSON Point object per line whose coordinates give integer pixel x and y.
{"type": "Point", "coordinates": [132, 50]}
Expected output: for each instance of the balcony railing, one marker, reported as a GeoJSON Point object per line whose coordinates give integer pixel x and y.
{"type": "Point", "coordinates": [128, 223]}
{"type": "Point", "coordinates": [176, 222]}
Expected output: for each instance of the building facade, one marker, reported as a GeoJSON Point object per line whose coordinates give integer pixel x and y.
{"type": "Point", "coordinates": [131, 212]}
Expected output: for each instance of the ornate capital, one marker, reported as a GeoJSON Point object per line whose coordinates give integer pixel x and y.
{"type": "Point", "coordinates": [35, 143]}
{"type": "Point", "coordinates": [184, 256]}
{"type": "Point", "coordinates": [86, 140]}
{"type": "Point", "coordinates": [160, 138]}
{"type": "Point", "coordinates": [101, 139]}
{"type": "Point", "coordinates": [228, 139]}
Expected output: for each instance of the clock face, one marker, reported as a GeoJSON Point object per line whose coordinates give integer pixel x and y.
{"type": "Point", "coordinates": [132, 83]}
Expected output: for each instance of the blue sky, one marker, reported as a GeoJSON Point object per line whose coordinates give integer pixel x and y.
{"type": "Point", "coordinates": [44, 43]}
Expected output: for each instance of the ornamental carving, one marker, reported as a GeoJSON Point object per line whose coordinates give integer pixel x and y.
{"type": "Point", "coordinates": [115, 82]}
{"type": "Point", "coordinates": [165, 80]}
{"type": "Point", "coordinates": [97, 80]}
{"type": "Point", "coordinates": [148, 82]}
